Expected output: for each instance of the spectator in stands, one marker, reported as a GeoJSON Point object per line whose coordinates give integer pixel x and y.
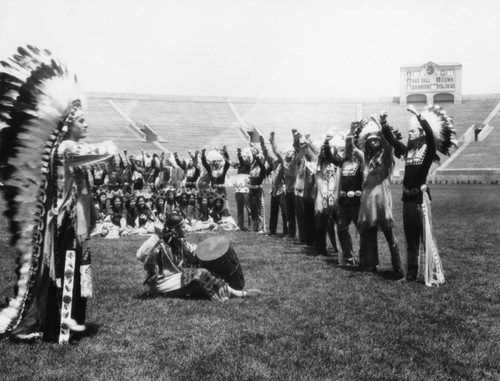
{"type": "Point", "coordinates": [376, 202]}
{"type": "Point", "coordinates": [419, 154]}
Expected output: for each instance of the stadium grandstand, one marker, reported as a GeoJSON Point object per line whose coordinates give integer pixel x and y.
{"type": "Point", "coordinates": [173, 123]}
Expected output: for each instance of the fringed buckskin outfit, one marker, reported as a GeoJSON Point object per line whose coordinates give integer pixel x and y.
{"type": "Point", "coordinates": [327, 183]}
{"type": "Point", "coordinates": [376, 205]}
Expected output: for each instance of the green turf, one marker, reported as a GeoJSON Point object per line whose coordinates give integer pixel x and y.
{"type": "Point", "coordinates": [314, 321]}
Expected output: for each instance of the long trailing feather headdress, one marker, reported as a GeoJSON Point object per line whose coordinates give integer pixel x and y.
{"type": "Point", "coordinates": [38, 100]}
{"type": "Point", "coordinates": [442, 126]}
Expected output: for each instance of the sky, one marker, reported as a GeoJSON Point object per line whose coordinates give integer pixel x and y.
{"type": "Point", "coordinates": [258, 48]}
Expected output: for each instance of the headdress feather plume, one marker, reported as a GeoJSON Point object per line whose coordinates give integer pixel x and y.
{"type": "Point", "coordinates": [442, 126]}
{"type": "Point", "coordinates": [37, 94]}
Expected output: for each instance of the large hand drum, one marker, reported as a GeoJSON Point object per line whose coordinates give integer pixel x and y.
{"type": "Point", "coordinates": [217, 255]}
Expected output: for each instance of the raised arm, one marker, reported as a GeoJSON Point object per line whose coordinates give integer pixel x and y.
{"type": "Point", "coordinates": [204, 162]}
{"type": "Point", "coordinates": [179, 162]}
{"type": "Point", "coordinates": [274, 148]}
{"type": "Point", "coordinates": [399, 148]}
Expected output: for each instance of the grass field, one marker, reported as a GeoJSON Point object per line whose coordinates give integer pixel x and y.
{"type": "Point", "coordinates": [314, 321]}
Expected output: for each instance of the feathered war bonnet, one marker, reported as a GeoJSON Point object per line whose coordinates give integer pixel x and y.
{"type": "Point", "coordinates": [369, 129]}
{"type": "Point", "coordinates": [39, 100]}
{"type": "Point", "coordinates": [366, 129]}
{"type": "Point", "coordinates": [442, 126]}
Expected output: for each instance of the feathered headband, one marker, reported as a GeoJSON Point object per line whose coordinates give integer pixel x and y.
{"type": "Point", "coordinates": [39, 99]}
{"type": "Point", "coordinates": [442, 126]}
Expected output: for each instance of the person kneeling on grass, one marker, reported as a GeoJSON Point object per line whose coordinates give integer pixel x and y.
{"type": "Point", "coordinates": [174, 270]}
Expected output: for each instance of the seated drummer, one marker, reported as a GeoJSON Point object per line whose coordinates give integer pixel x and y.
{"type": "Point", "coordinates": [174, 270]}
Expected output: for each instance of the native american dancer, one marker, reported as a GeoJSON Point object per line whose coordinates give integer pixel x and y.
{"type": "Point", "coordinates": [240, 182]}
{"type": "Point", "coordinates": [255, 193]}
{"type": "Point", "coordinates": [288, 160]}
{"type": "Point", "coordinates": [376, 201]}
{"type": "Point", "coordinates": [191, 170]}
{"type": "Point", "coordinates": [429, 132]}
{"type": "Point", "coordinates": [49, 206]}
{"type": "Point", "coordinates": [215, 169]}
{"type": "Point", "coordinates": [278, 202]}
{"type": "Point", "coordinates": [327, 183]}
{"type": "Point", "coordinates": [351, 162]}
{"type": "Point", "coordinates": [174, 270]}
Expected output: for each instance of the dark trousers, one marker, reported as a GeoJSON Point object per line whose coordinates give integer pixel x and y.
{"type": "Point", "coordinates": [309, 215]}
{"type": "Point", "coordinates": [324, 224]}
{"type": "Point", "coordinates": [413, 227]}
{"type": "Point", "coordinates": [278, 202]}
{"type": "Point", "coordinates": [346, 216]}
{"type": "Point", "coordinates": [290, 213]}
{"type": "Point", "coordinates": [255, 198]}
{"type": "Point", "coordinates": [299, 213]}
{"type": "Point", "coordinates": [242, 204]}
{"type": "Point", "coordinates": [368, 252]}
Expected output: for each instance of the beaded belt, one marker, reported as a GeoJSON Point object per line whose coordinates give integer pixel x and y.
{"type": "Point", "coordinates": [351, 193]}
{"type": "Point", "coordinates": [414, 191]}
{"type": "Point", "coordinates": [218, 186]}
{"type": "Point", "coordinates": [190, 183]}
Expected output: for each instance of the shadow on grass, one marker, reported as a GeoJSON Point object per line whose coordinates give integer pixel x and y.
{"type": "Point", "coordinates": [390, 275]}
{"type": "Point", "coordinates": [146, 295]}
{"type": "Point", "coordinates": [91, 331]}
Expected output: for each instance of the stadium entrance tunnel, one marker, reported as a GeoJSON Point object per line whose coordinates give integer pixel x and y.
{"type": "Point", "coordinates": [444, 98]}
{"type": "Point", "coordinates": [416, 98]}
